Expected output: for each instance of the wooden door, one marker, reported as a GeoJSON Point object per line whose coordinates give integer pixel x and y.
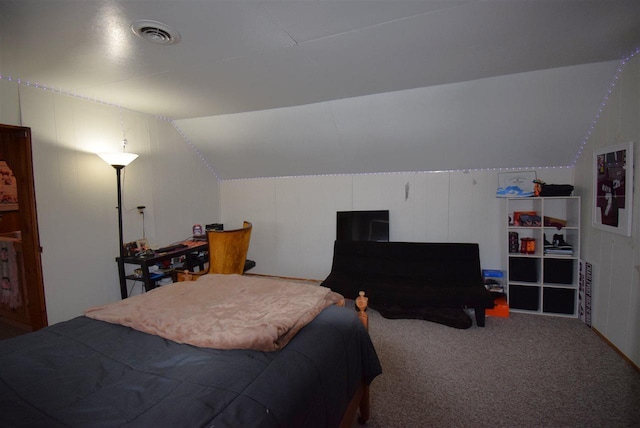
{"type": "Point", "coordinates": [20, 220]}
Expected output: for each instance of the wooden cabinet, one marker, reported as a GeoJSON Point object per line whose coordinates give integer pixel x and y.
{"type": "Point", "coordinates": [543, 252]}
{"type": "Point", "coordinates": [22, 224]}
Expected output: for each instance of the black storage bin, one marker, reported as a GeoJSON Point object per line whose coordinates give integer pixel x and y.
{"type": "Point", "coordinates": [523, 269]}
{"type": "Point", "coordinates": [558, 271]}
{"type": "Point", "coordinates": [559, 300]}
{"type": "Point", "coordinates": [556, 190]}
{"type": "Point", "coordinates": [524, 297]}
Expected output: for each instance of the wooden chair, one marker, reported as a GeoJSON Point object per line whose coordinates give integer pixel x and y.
{"type": "Point", "coordinates": [227, 252]}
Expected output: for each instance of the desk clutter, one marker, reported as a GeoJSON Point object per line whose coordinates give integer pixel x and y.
{"type": "Point", "coordinates": [170, 248]}
{"type": "Point", "coordinates": [157, 267]}
{"type": "Point", "coordinates": [224, 251]}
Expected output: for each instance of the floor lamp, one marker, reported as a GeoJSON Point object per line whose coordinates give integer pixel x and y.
{"type": "Point", "coordinates": [119, 160]}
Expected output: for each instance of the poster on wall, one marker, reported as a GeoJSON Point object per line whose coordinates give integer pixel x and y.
{"type": "Point", "coordinates": [613, 188]}
{"type": "Point", "coordinates": [8, 188]}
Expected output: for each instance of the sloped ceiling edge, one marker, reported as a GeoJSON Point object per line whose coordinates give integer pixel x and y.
{"type": "Point", "coordinates": [537, 118]}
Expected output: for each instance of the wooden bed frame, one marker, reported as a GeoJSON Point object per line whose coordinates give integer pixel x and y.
{"type": "Point", "coordinates": [361, 397]}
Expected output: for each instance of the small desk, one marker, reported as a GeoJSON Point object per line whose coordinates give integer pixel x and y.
{"type": "Point", "coordinates": [147, 261]}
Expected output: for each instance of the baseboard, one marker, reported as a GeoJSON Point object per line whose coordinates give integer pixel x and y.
{"type": "Point", "coordinates": [615, 348]}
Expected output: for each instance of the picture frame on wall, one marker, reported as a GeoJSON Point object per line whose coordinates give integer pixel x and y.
{"type": "Point", "coordinates": [613, 188]}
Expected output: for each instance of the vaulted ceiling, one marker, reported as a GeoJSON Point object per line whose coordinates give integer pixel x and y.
{"type": "Point", "coordinates": [305, 87]}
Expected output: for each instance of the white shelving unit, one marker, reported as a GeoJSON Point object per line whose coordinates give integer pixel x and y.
{"type": "Point", "coordinates": [540, 282]}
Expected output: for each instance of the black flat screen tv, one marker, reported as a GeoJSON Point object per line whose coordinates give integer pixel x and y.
{"type": "Point", "coordinates": [362, 225]}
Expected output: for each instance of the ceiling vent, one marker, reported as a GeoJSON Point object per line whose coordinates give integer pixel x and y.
{"type": "Point", "coordinates": [155, 32]}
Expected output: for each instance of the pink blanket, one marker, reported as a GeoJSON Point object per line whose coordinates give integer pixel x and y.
{"type": "Point", "coordinates": [222, 311]}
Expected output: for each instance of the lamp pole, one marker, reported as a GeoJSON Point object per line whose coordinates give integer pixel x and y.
{"type": "Point", "coordinates": [123, 281]}
{"type": "Point", "coordinates": [119, 161]}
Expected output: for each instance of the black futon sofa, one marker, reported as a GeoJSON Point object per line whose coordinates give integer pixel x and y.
{"type": "Point", "coordinates": [431, 281]}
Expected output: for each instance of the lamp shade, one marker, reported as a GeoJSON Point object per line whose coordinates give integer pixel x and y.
{"type": "Point", "coordinates": [118, 158]}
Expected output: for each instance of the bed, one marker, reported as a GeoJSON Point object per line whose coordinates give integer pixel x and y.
{"type": "Point", "coordinates": [92, 372]}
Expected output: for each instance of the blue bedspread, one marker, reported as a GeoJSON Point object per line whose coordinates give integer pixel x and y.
{"type": "Point", "coordinates": [85, 372]}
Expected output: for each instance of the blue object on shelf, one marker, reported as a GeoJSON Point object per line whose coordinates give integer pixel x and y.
{"type": "Point", "coordinates": [491, 273]}
{"type": "Point", "coordinates": [512, 192]}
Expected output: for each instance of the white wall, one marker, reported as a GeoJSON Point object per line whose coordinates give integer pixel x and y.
{"type": "Point", "coordinates": [9, 103]}
{"type": "Point", "coordinates": [295, 218]}
{"type": "Point", "coordinates": [615, 258]}
{"type": "Point", "coordinates": [76, 192]}
{"type": "Point", "coordinates": [518, 119]}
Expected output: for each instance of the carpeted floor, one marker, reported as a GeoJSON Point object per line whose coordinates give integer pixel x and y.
{"type": "Point", "coordinates": [521, 371]}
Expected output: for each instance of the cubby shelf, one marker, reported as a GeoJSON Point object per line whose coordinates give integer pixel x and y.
{"type": "Point", "coordinates": [543, 282]}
